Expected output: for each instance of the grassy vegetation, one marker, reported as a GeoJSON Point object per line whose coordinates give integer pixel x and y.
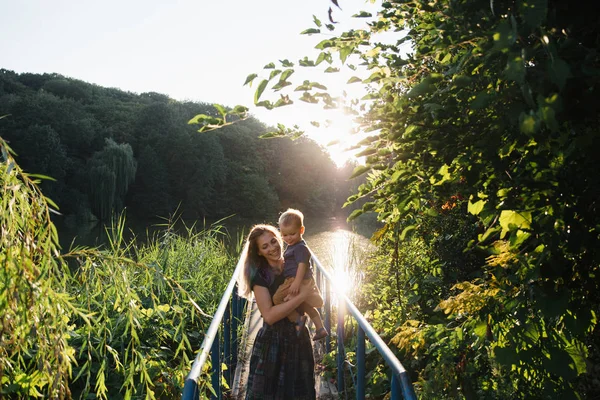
{"type": "Point", "coordinates": [122, 321]}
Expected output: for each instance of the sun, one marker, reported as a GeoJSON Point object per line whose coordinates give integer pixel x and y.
{"type": "Point", "coordinates": [336, 134]}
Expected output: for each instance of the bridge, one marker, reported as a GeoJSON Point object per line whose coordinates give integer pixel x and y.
{"type": "Point", "coordinates": [229, 338]}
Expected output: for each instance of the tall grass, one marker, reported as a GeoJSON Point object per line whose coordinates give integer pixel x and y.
{"type": "Point", "coordinates": [122, 321]}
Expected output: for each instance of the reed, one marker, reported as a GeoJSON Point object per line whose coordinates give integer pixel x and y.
{"type": "Point", "coordinates": [121, 321]}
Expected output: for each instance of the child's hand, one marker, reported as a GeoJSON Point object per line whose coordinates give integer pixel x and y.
{"type": "Point", "coordinates": [295, 287]}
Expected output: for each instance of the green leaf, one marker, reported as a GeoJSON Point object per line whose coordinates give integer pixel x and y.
{"type": "Point", "coordinates": [308, 98]}
{"type": "Point", "coordinates": [344, 53]}
{"type": "Point", "coordinates": [274, 73]}
{"type": "Point", "coordinates": [310, 31]}
{"type": "Point", "coordinates": [324, 56]}
{"type": "Point", "coordinates": [249, 79]}
{"type": "Point", "coordinates": [559, 72]}
{"type": "Point", "coordinates": [323, 44]}
{"type": "Point", "coordinates": [406, 231]}
{"type": "Point", "coordinates": [482, 100]}
{"type": "Point", "coordinates": [510, 220]}
{"type": "Point", "coordinates": [315, 123]}
{"type": "Point", "coordinates": [504, 37]}
{"type": "Point", "coordinates": [475, 208]}
{"type": "Point", "coordinates": [515, 69]}
{"type": "Point", "coordinates": [362, 14]}
{"type": "Point", "coordinates": [547, 115]}
{"type": "Point", "coordinates": [270, 135]}
{"type": "Point", "coordinates": [354, 214]}
{"type": "Point", "coordinates": [280, 85]}
{"type": "Point", "coordinates": [220, 109]}
{"type": "Point", "coordinates": [528, 123]}
{"type": "Point", "coordinates": [421, 88]}
{"type": "Point", "coordinates": [354, 79]}
{"type": "Point", "coordinates": [533, 11]}
{"type": "Point", "coordinates": [361, 169]}
{"type": "Point", "coordinates": [286, 63]}
{"type": "Point", "coordinates": [317, 21]}
{"type": "Point", "coordinates": [330, 70]}
{"type": "Point", "coordinates": [266, 104]}
{"type": "Point", "coordinates": [286, 74]}
{"type": "Point", "coordinates": [259, 91]}
{"type": "Point", "coordinates": [239, 110]}
{"type": "Point", "coordinates": [269, 66]}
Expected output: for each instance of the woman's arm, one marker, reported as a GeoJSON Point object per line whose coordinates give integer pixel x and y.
{"type": "Point", "coordinates": [271, 313]}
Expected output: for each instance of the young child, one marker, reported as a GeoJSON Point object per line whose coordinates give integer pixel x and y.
{"type": "Point", "coordinates": [297, 271]}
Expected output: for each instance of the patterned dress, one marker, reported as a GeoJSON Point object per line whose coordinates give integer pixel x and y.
{"type": "Point", "coordinates": [282, 363]}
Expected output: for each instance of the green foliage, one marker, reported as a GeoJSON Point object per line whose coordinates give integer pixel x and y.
{"type": "Point", "coordinates": [112, 170]}
{"type": "Point", "coordinates": [121, 322]}
{"type": "Point", "coordinates": [494, 102]}
{"type": "Point", "coordinates": [90, 140]}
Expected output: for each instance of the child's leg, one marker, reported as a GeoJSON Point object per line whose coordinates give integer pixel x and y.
{"type": "Point", "coordinates": [320, 331]}
{"type": "Point", "coordinates": [313, 313]}
{"type": "Point", "coordinates": [314, 299]}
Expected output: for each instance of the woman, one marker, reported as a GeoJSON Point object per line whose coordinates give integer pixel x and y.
{"type": "Point", "coordinates": [281, 364]}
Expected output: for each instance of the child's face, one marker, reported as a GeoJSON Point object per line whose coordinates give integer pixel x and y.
{"type": "Point", "coordinates": [291, 233]}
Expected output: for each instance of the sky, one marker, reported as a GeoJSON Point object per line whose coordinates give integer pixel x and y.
{"type": "Point", "coordinates": [194, 50]}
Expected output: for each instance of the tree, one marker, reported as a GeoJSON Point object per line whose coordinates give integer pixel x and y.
{"type": "Point", "coordinates": [111, 171]}
{"type": "Point", "coordinates": [494, 104]}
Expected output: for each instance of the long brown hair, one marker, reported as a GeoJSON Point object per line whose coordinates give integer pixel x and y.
{"type": "Point", "coordinates": [253, 261]}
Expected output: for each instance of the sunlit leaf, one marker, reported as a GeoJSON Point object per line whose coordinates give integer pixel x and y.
{"type": "Point", "coordinates": [510, 219]}
{"type": "Point", "coordinates": [317, 21]}
{"type": "Point", "coordinates": [259, 91]}
{"type": "Point", "coordinates": [361, 169]}
{"type": "Point", "coordinates": [274, 73]}
{"type": "Point", "coordinates": [310, 31]}
{"type": "Point", "coordinates": [476, 208]}
{"type": "Point", "coordinates": [249, 79]}
{"type": "Point", "coordinates": [344, 53]}
{"type": "Point", "coordinates": [220, 109]}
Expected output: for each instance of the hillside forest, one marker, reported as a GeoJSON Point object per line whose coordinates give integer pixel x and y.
{"type": "Point", "coordinates": [106, 149]}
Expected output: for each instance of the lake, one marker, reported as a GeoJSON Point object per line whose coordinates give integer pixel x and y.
{"type": "Point", "coordinates": [339, 245]}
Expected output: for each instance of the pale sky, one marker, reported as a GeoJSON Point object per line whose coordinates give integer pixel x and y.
{"type": "Point", "coordinates": [195, 50]}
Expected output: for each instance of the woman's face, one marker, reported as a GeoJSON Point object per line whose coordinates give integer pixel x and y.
{"type": "Point", "coordinates": [269, 247]}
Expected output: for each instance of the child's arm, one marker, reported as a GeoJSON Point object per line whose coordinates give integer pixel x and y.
{"type": "Point", "coordinates": [295, 286]}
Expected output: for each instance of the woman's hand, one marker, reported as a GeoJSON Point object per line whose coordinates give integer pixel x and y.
{"type": "Point", "coordinates": [303, 293]}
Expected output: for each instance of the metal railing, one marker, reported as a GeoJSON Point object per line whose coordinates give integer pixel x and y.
{"type": "Point", "coordinates": [401, 385]}
{"type": "Point", "coordinates": [228, 314]}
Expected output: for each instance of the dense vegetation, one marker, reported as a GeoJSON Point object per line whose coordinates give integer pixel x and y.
{"type": "Point", "coordinates": [106, 148]}
{"type": "Point", "coordinates": [120, 322]}
{"type": "Point", "coordinates": [482, 166]}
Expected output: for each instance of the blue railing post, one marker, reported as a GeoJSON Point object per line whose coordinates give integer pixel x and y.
{"type": "Point", "coordinates": [400, 382]}
{"type": "Point", "coordinates": [227, 343]}
{"type": "Point", "coordinates": [341, 353]}
{"type": "Point", "coordinates": [235, 311]}
{"type": "Point", "coordinates": [327, 316]}
{"type": "Point", "coordinates": [360, 364]}
{"type": "Point", "coordinates": [215, 359]}
{"type": "Point", "coordinates": [395, 395]}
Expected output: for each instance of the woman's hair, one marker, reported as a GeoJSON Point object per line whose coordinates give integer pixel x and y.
{"type": "Point", "coordinates": [252, 261]}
